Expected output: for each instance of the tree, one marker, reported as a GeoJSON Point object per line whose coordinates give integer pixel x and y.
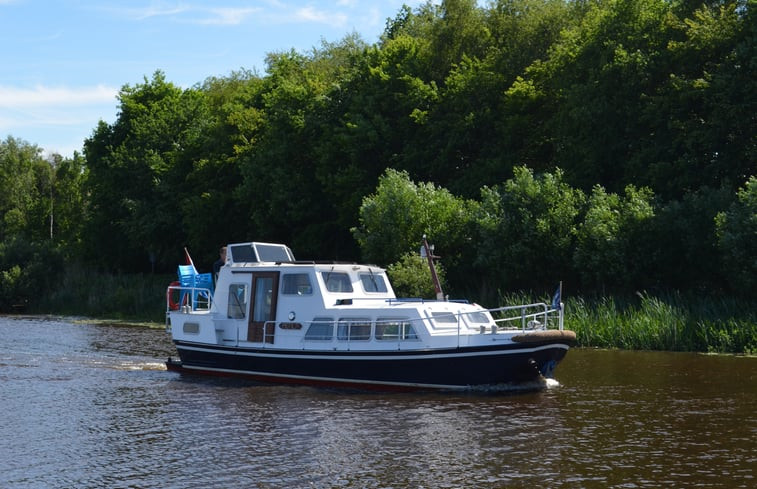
{"type": "Point", "coordinates": [29, 260]}
{"type": "Point", "coordinates": [70, 206]}
{"type": "Point", "coordinates": [610, 249]}
{"type": "Point", "coordinates": [368, 122]}
{"type": "Point", "coordinates": [460, 32]}
{"type": "Point", "coordinates": [21, 167]}
{"type": "Point", "coordinates": [525, 231]}
{"type": "Point", "coordinates": [411, 277]}
{"type": "Point", "coordinates": [737, 238]}
{"type": "Point", "coordinates": [280, 191]}
{"type": "Point", "coordinates": [683, 244]}
{"type": "Point", "coordinates": [133, 180]}
{"type": "Point", "coordinates": [394, 219]}
{"type": "Point", "coordinates": [214, 211]}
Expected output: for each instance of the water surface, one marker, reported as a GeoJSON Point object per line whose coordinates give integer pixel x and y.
{"type": "Point", "coordinates": [90, 406]}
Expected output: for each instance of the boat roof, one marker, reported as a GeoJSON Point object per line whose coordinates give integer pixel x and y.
{"type": "Point", "coordinates": [255, 253]}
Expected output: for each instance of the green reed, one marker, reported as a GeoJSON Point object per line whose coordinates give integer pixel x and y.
{"type": "Point", "coordinates": [81, 292]}
{"type": "Point", "coordinates": [670, 321]}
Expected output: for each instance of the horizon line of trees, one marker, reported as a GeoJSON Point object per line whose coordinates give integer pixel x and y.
{"type": "Point", "coordinates": [611, 144]}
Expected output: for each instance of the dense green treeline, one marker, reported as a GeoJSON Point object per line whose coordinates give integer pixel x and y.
{"type": "Point", "coordinates": [610, 144]}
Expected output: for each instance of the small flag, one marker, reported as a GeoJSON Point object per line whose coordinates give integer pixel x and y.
{"type": "Point", "coordinates": [189, 259]}
{"type": "Point", "coordinates": [557, 298]}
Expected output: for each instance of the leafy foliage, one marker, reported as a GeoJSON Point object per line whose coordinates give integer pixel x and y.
{"type": "Point", "coordinates": [411, 277]}
{"type": "Point", "coordinates": [737, 233]}
{"type": "Point", "coordinates": [604, 143]}
{"type": "Point", "coordinates": [526, 230]}
{"type": "Point", "coordinates": [395, 218]}
{"type": "Point", "coordinates": [610, 238]}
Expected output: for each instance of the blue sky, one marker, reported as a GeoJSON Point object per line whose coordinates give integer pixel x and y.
{"type": "Point", "coordinates": [64, 61]}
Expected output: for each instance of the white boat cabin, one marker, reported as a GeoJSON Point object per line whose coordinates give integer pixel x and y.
{"type": "Point", "coordinates": [264, 298]}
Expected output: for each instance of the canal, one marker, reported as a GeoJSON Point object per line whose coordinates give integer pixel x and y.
{"type": "Point", "coordinates": [91, 406]}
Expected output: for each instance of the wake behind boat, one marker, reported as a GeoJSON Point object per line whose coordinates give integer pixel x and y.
{"type": "Point", "coordinates": [272, 318]}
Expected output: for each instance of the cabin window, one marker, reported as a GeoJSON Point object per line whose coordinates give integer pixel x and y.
{"type": "Point", "coordinates": [237, 308]}
{"type": "Point", "coordinates": [394, 330]}
{"type": "Point", "coordinates": [337, 282]}
{"type": "Point", "coordinates": [444, 318]}
{"type": "Point", "coordinates": [321, 329]}
{"type": "Point", "coordinates": [296, 284]}
{"type": "Point", "coordinates": [477, 318]}
{"type": "Point", "coordinates": [354, 330]}
{"type": "Point", "coordinates": [372, 282]}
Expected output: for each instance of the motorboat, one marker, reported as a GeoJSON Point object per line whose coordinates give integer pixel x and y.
{"type": "Point", "coordinates": [271, 318]}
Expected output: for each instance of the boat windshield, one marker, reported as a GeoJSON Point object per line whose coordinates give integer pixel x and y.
{"type": "Point", "coordinates": [372, 282]}
{"type": "Point", "coordinates": [337, 281]}
{"type": "Point", "coordinates": [273, 252]}
{"type": "Point", "coordinates": [257, 252]}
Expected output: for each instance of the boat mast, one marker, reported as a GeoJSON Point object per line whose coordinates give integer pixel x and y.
{"type": "Point", "coordinates": [427, 252]}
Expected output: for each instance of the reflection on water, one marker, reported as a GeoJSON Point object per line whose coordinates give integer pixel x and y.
{"type": "Point", "coordinates": [92, 406]}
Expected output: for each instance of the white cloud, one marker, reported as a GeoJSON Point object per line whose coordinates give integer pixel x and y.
{"type": "Point", "coordinates": [43, 96]}
{"type": "Point", "coordinates": [310, 14]}
{"type": "Point", "coordinates": [227, 16]}
{"type": "Point", "coordinates": [58, 118]}
{"type": "Point", "coordinates": [280, 12]}
{"type": "Point", "coordinates": [154, 10]}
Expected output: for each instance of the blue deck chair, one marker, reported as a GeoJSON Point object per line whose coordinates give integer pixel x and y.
{"type": "Point", "coordinates": [187, 275]}
{"type": "Point", "coordinates": [203, 281]}
{"type": "Point", "coordinates": [190, 279]}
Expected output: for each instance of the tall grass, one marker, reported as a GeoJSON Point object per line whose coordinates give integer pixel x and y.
{"type": "Point", "coordinates": [138, 297]}
{"type": "Point", "coordinates": [670, 321]}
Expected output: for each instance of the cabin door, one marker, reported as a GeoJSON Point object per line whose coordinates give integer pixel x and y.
{"type": "Point", "coordinates": [265, 288]}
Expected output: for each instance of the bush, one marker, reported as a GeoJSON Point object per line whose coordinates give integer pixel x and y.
{"type": "Point", "coordinates": [526, 229]}
{"type": "Point", "coordinates": [737, 238]}
{"type": "Point", "coordinates": [28, 272]}
{"type": "Point", "coordinates": [411, 277]}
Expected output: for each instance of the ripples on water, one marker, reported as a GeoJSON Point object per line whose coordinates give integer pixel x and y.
{"type": "Point", "coordinates": [87, 406]}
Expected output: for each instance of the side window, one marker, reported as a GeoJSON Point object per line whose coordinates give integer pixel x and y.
{"type": "Point", "coordinates": [321, 329]}
{"type": "Point", "coordinates": [353, 330]}
{"type": "Point", "coordinates": [296, 284]}
{"type": "Point", "coordinates": [237, 308]}
{"type": "Point", "coordinates": [394, 330]}
{"type": "Point", "coordinates": [372, 282]}
{"type": "Point", "coordinates": [337, 281]}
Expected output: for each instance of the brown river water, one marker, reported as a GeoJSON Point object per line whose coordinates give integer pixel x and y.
{"type": "Point", "coordinates": [91, 406]}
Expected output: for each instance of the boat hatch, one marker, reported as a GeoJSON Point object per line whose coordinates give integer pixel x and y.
{"type": "Point", "coordinates": [259, 252]}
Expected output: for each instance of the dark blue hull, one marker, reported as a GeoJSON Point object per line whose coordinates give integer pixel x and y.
{"type": "Point", "coordinates": [454, 368]}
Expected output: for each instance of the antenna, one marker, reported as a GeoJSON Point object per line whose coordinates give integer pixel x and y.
{"type": "Point", "coordinates": [428, 253]}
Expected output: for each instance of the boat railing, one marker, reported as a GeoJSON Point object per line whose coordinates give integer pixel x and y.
{"type": "Point", "coordinates": [400, 300]}
{"type": "Point", "coordinates": [190, 299]}
{"type": "Point", "coordinates": [527, 316]}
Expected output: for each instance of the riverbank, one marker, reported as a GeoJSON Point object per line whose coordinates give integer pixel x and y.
{"type": "Point", "coordinates": [668, 321]}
